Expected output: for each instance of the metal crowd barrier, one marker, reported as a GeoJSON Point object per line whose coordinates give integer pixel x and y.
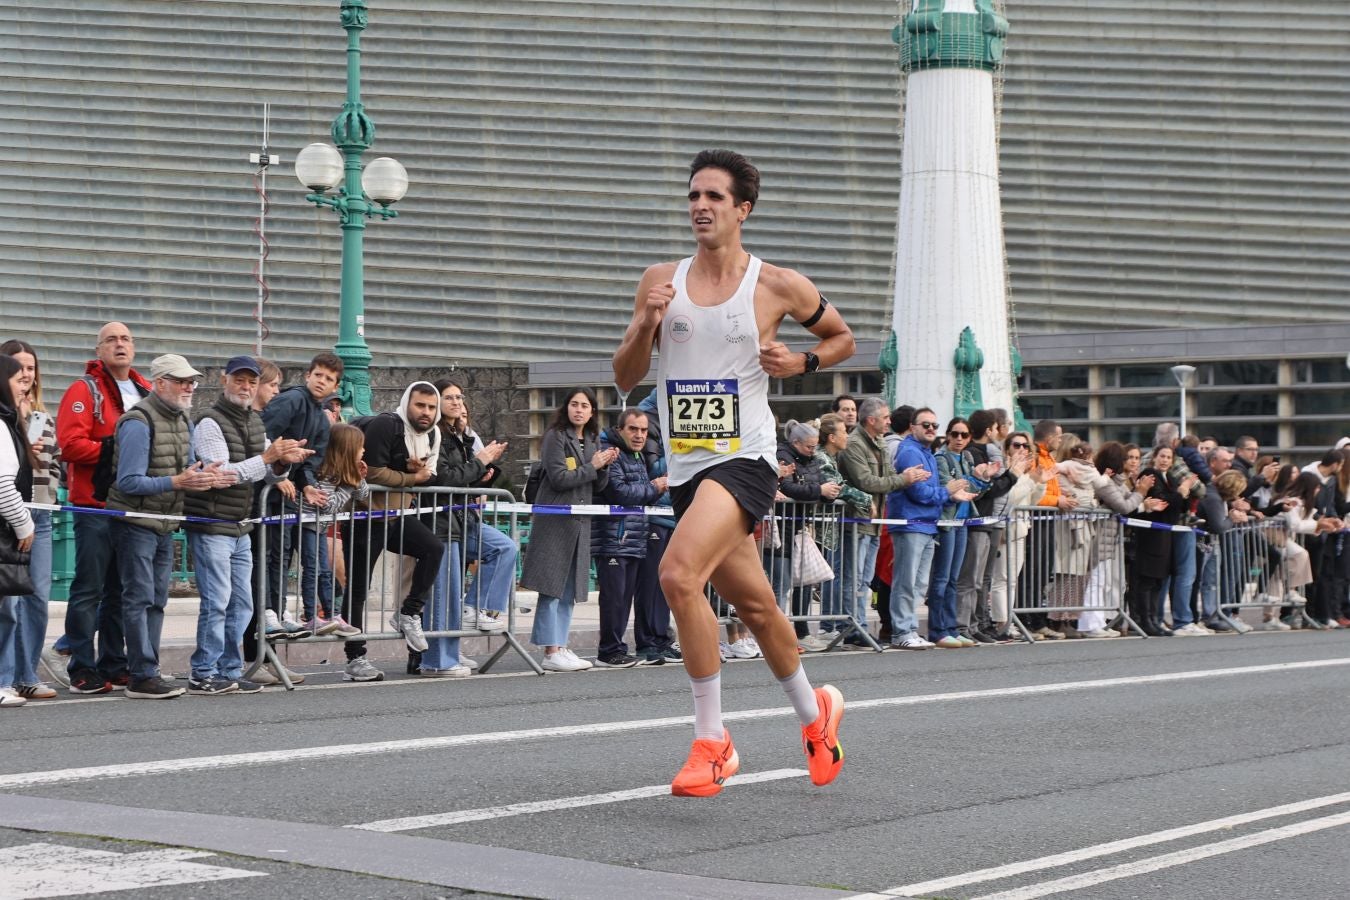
{"type": "Point", "coordinates": [1254, 569]}
{"type": "Point", "coordinates": [1065, 562]}
{"type": "Point", "coordinates": [294, 572]}
{"type": "Point", "coordinates": [782, 535]}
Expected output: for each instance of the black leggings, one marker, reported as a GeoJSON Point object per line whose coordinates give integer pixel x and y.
{"type": "Point", "coordinates": [407, 536]}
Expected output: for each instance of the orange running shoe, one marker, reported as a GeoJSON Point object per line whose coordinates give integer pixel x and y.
{"type": "Point", "coordinates": [820, 739]}
{"type": "Point", "coordinates": [710, 764]}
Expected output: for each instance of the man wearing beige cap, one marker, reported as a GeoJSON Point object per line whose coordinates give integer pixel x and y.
{"type": "Point", "coordinates": [153, 466]}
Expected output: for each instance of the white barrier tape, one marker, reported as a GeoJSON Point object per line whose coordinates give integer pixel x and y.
{"type": "Point", "coordinates": [1159, 526]}
{"type": "Point", "coordinates": [287, 519]}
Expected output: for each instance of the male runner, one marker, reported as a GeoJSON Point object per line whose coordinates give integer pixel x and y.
{"type": "Point", "coordinates": [714, 317]}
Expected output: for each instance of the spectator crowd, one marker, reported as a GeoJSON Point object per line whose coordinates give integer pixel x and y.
{"type": "Point", "coordinates": [881, 512]}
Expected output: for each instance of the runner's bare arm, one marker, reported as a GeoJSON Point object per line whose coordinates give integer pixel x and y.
{"type": "Point", "coordinates": [634, 356]}
{"type": "Point", "coordinates": [794, 295]}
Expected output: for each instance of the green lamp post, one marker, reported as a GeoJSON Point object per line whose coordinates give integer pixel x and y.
{"type": "Point", "coordinates": [364, 193]}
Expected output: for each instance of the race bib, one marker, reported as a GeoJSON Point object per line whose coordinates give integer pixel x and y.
{"type": "Point", "coordinates": [703, 415]}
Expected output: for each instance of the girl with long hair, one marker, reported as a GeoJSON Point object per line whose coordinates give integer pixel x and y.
{"type": "Point", "coordinates": [342, 479]}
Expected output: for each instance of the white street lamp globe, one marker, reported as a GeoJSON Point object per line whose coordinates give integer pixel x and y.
{"type": "Point", "coordinates": [319, 167]}
{"type": "Point", "coordinates": [385, 180]}
{"type": "Point", "coordinates": [1183, 374]}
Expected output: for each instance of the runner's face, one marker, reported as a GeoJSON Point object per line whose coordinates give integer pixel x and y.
{"type": "Point", "coordinates": [713, 211]}
{"type": "Point", "coordinates": [578, 410]}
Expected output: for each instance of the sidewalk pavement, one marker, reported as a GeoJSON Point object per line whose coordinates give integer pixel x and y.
{"type": "Point", "coordinates": [180, 635]}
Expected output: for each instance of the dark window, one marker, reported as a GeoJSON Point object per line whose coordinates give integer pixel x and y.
{"type": "Point", "coordinates": [1322, 371]}
{"type": "Point", "coordinates": [1036, 408]}
{"type": "Point", "coordinates": [1055, 378]}
{"type": "Point", "coordinates": [1240, 372]}
{"type": "Point", "coordinates": [1164, 405]}
{"type": "Point", "coordinates": [865, 384]}
{"type": "Point", "coordinates": [816, 383]}
{"type": "Point", "coordinates": [1141, 376]}
{"type": "Point", "coordinates": [1322, 434]}
{"type": "Point", "coordinates": [1240, 403]}
{"type": "Point", "coordinates": [1322, 403]}
{"type": "Point", "coordinates": [1267, 435]}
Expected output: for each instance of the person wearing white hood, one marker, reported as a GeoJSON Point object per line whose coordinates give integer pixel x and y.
{"type": "Point", "coordinates": [401, 452]}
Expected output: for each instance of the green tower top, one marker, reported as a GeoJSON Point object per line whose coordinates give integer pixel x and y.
{"type": "Point", "coordinates": [932, 39]}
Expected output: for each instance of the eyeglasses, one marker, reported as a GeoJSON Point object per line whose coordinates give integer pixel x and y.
{"type": "Point", "coordinates": [929, 426]}
{"type": "Point", "coordinates": [1020, 445]}
{"type": "Point", "coordinates": [458, 398]}
{"type": "Point", "coordinates": [958, 434]}
{"type": "Point", "coordinates": [182, 382]}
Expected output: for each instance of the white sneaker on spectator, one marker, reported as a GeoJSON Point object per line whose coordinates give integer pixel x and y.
{"type": "Point", "coordinates": [411, 629]}
{"type": "Point", "coordinates": [459, 671]}
{"type": "Point", "coordinates": [813, 643]}
{"type": "Point", "coordinates": [1098, 633]}
{"type": "Point", "coordinates": [361, 669]}
{"type": "Point", "coordinates": [912, 641]}
{"type": "Point", "coordinates": [563, 660]}
{"type": "Point", "coordinates": [749, 640]}
{"type": "Point", "coordinates": [584, 663]}
{"type": "Point", "coordinates": [741, 649]}
{"type": "Point", "coordinates": [468, 661]}
{"type": "Point", "coordinates": [1272, 625]}
{"type": "Point", "coordinates": [1191, 629]}
{"type": "Point", "coordinates": [1241, 627]}
{"type": "Point", "coordinates": [10, 697]}
{"type": "Point", "coordinates": [724, 649]}
{"type": "Point", "coordinates": [345, 628]}
{"type": "Point", "coordinates": [56, 665]}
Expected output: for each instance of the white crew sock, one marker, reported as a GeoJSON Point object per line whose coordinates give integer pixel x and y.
{"type": "Point", "coordinates": [707, 707]}
{"type": "Point", "coordinates": [801, 695]}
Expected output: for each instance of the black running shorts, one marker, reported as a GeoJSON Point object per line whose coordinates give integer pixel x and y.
{"type": "Point", "coordinates": [753, 482]}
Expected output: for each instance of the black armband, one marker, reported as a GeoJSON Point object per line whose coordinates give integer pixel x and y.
{"type": "Point", "coordinates": [820, 311]}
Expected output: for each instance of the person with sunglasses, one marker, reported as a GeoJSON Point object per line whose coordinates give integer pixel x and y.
{"type": "Point", "coordinates": [914, 542]}
{"type": "Point", "coordinates": [1011, 554]}
{"type": "Point", "coordinates": [954, 461]}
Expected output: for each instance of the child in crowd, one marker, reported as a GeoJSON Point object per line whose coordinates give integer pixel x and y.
{"type": "Point", "coordinates": [342, 479]}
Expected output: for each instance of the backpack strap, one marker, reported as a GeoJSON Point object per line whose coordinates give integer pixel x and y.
{"type": "Point", "coordinates": [95, 396]}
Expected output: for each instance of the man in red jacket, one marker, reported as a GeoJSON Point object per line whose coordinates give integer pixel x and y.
{"type": "Point", "coordinates": [84, 430]}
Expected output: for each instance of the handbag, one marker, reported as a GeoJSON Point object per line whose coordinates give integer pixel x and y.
{"type": "Point", "coordinates": [15, 579]}
{"type": "Point", "coordinates": [808, 563]}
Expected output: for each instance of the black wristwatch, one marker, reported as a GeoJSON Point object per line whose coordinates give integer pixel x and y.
{"type": "Point", "coordinates": [812, 362]}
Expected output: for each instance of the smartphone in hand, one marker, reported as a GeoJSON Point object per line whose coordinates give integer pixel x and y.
{"type": "Point", "coordinates": [37, 423]}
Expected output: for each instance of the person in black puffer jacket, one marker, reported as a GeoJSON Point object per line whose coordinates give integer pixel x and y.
{"type": "Point", "coordinates": [619, 543]}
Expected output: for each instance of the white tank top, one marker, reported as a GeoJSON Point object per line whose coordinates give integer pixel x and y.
{"type": "Point", "coordinates": [714, 395]}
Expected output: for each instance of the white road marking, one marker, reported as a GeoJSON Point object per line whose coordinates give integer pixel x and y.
{"type": "Point", "coordinates": [593, 729]}
{"type": "Point", "coordinates": [411, 823]}
{"type": "Point", "coordinates": [942, 885]}
{"type": "Point", "coordinates": [1169, 860]}
{"type": "Point", "coordinates": [51, 870]}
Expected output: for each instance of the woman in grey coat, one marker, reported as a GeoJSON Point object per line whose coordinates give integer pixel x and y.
{"type": "Point", "coordinates": [558, 556]}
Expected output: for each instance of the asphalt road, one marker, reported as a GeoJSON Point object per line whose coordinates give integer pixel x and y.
{"type": "Point", "coordinates": [994, 772]}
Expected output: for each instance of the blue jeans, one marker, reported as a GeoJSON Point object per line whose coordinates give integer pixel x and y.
{"type": "Point", "coordinates": [496, 553]}
{"type": "Point", "coordinates": [316, 574]}
{"type": "Point", "coordinates": [443, 613]}
{"type": "Point", "coordinates": [1209, 585]}
{"type": "Point", "coordinates": [948, 554]}
{"type": "Point", "coordinates": [95, 603]}
{"type": "Point", "coordinates": [553, 615]}
{"type": "Point", "coordinates": [224, 567]}
{"type": "Point", "coordinates": [836, 595]}
{"type": "Point", "coordinates": [29, 613]}
{"type": "Point", "coordinates": [909, 579]}
{"type": "Point", "coordinates": [868, 544]}
{"type": "Point", "coordinates": [145, 559]}
{"type": "Point", "coordinates": [1178, 586]}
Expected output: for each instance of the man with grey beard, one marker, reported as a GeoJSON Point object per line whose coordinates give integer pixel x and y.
{"type": "Point", "coordinates": [153, 467]}
{"type": "Point", "coordinates": [232, 434]}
